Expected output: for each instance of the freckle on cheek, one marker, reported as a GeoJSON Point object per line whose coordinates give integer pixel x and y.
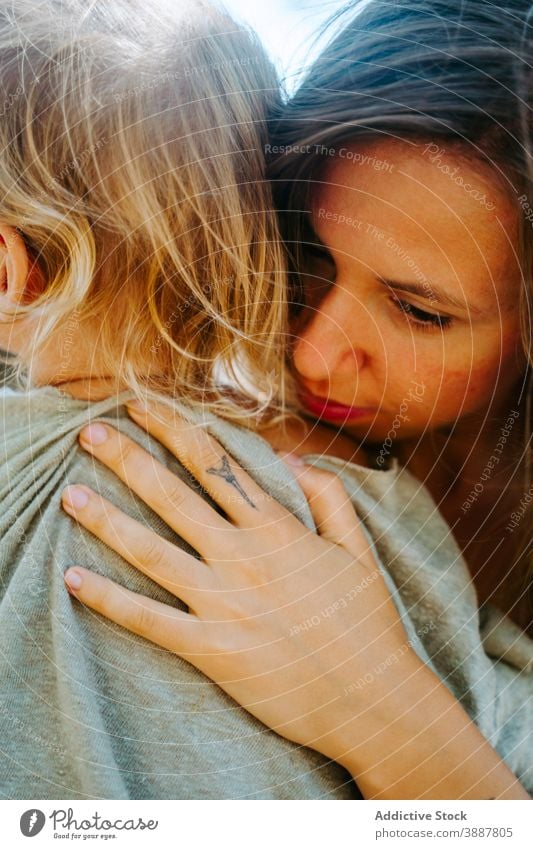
{"type": "Point", "coordinates": [455, 389]}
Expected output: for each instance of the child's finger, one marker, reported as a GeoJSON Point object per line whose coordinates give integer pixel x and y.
{"type": "Point", "coordinates": [179, 506]}
{"type": "Point", "coordinates": [219, 474]}
{"type": "Point", "coordinates": [170, 567]}
{"type": "Point", "coordinates": [172, 629]}
{"type": "Point", "coordinates": [332, 510]}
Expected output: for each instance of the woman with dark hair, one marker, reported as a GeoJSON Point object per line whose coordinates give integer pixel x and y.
{"type": "Point", "coordinates": [413, 191]}
{"type": "Point", "coordinates": [402, 173]}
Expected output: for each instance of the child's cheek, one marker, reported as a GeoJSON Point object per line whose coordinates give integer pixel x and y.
{"type": "Point", "coordinates": [8, 334]}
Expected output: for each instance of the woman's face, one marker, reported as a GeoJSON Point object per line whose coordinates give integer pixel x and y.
{"type": "Point", "coordinates": [411, 312]}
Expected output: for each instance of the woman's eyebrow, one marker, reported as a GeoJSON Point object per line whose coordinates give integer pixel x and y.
{"type": "Point", "coordinates": [431, 292]}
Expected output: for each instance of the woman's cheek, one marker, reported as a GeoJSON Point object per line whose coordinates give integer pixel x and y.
{"type": "Point", "coordinates": [464, 390]}
{"type": "Point", "coordinates": [462, 376]}
{"type": "Point", "coordinates": [445, 390]}
{"type": "Point", "coordinates": [494, 365]}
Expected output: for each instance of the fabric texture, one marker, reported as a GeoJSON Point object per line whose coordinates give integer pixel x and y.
{"type": "Point", "coordinates": [89, 710]}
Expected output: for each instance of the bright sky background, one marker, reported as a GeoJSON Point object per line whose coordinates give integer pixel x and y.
{"type": "Point", "coordinates": [286, 27]}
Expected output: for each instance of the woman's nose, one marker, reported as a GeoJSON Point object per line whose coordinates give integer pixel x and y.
{"type": "Point", "coordinates": [330, 344]}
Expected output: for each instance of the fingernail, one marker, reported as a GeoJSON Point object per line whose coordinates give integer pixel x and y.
{"type": "Point", "coordinates": [75, 497]}
{"type": "Point", "coordinates": [94, 434]}
{"type": "Point", "coordinates": [292, 459]}
{"type": "Point", "coordinates": [73, 579]}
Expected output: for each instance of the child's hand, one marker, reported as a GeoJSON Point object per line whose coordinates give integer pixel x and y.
{"type": "Point", "coordinates": [285, 620]}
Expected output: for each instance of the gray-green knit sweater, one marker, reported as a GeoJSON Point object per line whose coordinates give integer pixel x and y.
{"type": "Point", "coordinates": [88, 710]}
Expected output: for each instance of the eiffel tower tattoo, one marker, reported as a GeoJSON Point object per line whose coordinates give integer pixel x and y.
{"type": "Point", "coordinates": [225, 472]}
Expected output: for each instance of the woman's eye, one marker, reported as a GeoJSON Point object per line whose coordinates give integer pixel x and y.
{"type": "Point", "coordinates": [424, 320]}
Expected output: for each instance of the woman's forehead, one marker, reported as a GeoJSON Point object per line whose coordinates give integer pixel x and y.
{"type": "Point", "coordinates": [446, 212]}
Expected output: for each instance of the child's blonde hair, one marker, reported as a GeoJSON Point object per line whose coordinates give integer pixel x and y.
{"type": "Point", "coordinates": [132, 163]}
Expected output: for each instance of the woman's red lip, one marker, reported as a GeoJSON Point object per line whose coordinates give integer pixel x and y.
{"type": "Point", "coordinates": [332, 409]}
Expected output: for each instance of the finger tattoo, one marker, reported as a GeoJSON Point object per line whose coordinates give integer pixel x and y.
{"type": "Point", "coordinates": [224, 471]}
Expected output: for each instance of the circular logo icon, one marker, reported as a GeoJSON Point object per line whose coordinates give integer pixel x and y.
{"type": "Point", "coordinates": [32, 822]}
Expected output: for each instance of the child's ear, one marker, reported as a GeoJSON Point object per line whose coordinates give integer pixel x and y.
{"type": "Point", "coordinates": [14, 267]}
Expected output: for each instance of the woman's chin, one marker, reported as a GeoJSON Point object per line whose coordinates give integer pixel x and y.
{"type": "Point", "coordinates": [380, 432]}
